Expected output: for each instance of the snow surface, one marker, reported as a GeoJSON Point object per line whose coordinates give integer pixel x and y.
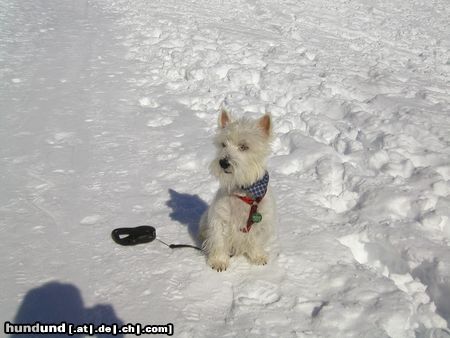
{"type": "Point", "coordinates": [107, 113]}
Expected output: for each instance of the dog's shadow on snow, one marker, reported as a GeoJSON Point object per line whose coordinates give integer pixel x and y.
{"type": "Point", "coordinates": [187, 209]}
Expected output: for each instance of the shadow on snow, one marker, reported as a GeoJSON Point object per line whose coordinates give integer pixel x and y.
{"type": "Point", "coordinates": [55, 302]}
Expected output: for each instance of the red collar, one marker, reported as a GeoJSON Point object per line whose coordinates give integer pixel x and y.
{"type": "Point", "coordinates": [253, 210]}
{"type": "Point", "coordinates": [246, 199]}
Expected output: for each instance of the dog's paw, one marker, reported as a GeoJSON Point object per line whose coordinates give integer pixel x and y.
{"type": "Point", "coordinates": [219, 263]}
{"type": "Point", "coordinates": [259, 259]}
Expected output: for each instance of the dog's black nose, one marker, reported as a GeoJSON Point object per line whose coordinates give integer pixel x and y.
{"type": "Point", "coordinates": [224, 163]}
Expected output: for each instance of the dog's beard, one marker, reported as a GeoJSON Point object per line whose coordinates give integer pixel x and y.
{"type": "Point", "coordinates": [238, 175]}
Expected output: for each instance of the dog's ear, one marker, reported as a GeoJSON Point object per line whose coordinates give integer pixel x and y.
{"type": "Point", "coordinates": [265, 123]}
{"type": "Point", "coordinates": [224, 118]}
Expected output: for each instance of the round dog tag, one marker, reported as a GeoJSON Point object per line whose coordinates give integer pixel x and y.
{"type": "Point", "coordinates": [256, 217]}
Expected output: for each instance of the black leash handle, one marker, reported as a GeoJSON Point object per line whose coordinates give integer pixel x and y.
{"type": "Point", "coordinates": [133, 236]}
{"type": "Point", "coordinates": [142, 234]}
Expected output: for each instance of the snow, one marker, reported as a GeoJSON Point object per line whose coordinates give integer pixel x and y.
{"type": "Point", "coordinates": [107, 114]}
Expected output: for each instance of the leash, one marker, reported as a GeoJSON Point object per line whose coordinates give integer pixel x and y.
{"type": "Point", "coordinates": [147, 233]}
{"type": "Point", "coordinates": [142, 234]}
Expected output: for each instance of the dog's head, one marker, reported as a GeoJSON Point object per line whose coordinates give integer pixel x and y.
{"type": "Point", "coordinates": [242, 149]}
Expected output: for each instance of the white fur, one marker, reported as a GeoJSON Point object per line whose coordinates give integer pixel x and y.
{"type": "Point", "coordinates": [221, 224]}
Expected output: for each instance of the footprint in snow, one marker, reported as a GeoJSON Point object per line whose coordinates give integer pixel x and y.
{"type": "Point", "coordinates": [258, 293]}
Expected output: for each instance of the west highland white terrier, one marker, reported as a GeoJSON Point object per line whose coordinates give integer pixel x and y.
{"type": "Point", "coordinates": [240, 219]}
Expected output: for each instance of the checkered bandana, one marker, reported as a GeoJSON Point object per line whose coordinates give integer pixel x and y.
{"type": "Point", "coordinates": [259, 188]}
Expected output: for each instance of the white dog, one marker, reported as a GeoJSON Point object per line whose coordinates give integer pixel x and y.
{"type": "Point", "coordinates": [240, 218]}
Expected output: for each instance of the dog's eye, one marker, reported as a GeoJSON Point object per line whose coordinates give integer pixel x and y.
{"type": "Point", "coordinates": [243, 147]}
{"type": "Point", "coordinates": [223, 145]}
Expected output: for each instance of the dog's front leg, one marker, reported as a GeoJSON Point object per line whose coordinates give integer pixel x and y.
{"type": "Point", "coordinates": [257, 255]}
{"type": "Point", "coordinates": [218, 261]}
{"type": "Point", "coordinates": [217, 247]}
